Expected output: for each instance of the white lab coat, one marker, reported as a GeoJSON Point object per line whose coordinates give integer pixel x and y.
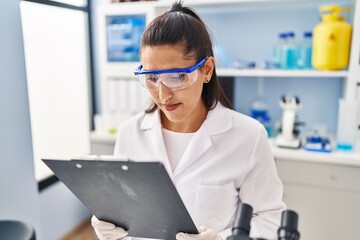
{"type": "Point", "coordinates": [228, 160]}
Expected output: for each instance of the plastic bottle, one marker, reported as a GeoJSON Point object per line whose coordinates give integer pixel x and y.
{"type": "Point", "coordinates": [278, 49]}
{"type": "Point", "coordinates": [305, 52]}
{"type": "Point", "coordinates": [346, 125]}
{"type": "Point", "coordinates": [290, 51]}
{"type": "Point", "coordinates": [331, 43]}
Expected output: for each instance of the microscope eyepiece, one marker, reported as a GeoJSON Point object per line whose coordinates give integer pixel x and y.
{"type": "Point", "coordinates": [242, 220]}
{"type": "Point", "coordinates": [289, 225]}
{"type": "Point", "coordinates": [241, 228]}
{"type": "Point", "coordinates": [289, 219]}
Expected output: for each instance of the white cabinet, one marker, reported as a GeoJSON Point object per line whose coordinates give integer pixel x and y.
{"type": "Point", "coordinates": [327, 198]}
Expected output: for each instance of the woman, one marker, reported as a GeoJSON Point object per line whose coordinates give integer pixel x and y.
{"type": "Point", "coordinates": [216, 157]}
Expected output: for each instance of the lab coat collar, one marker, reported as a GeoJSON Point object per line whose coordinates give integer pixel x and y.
{"type": "Point", "coordinates": [151, 124]}
{"type": "Point", "coordinates": [217, 121]}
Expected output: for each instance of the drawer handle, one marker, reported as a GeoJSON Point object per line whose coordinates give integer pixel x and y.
{"type": "Point", "coordinates": [333, 177]}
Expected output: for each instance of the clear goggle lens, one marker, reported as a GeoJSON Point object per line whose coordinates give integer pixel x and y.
{"type": "Point", "coordinates": [173, 81]}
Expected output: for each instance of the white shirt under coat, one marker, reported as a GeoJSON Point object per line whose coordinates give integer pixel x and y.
{"type": "Point", "coordinates": [226, 161]}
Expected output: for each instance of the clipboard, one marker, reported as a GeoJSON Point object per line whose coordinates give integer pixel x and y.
{"type": "Point", "coordinates": [138, 196]}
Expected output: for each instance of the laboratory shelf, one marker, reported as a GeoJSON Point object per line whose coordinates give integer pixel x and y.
{"type": "Point", "coordinates": [217, 6]}
{"type": "Point", "coordinates": [126, 71]}
{"type": "Point", "coordinates": [224, 72]}
{"type": "Point", "coordinates": [301, 155]}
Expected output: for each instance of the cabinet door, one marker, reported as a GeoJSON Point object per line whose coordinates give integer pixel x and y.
{"type": "Point", "coordinates": [324, 213]}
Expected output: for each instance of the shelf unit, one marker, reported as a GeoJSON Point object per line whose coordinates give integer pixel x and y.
{"type": "Point", "coordinates": [225, 72]}
{"type": "Point", "coordinates": [124, 70]}
{"type": "Point", "coordinates": [332, 158]}
{"type": "Point", "coordinates": [152, 9]}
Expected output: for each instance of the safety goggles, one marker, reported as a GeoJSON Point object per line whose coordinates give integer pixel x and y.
{"type": "Point", "coordinates": [174, 79]}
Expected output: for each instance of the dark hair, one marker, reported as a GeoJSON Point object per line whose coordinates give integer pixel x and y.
{"type": "Point", "coordinates": [182, 26]}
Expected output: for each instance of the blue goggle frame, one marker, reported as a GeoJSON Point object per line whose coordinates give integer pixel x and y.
{"type": "Point", "coordinates": [139, 70]}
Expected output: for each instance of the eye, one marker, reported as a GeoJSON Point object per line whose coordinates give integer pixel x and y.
{"type": "Point", "coordinates": [182, 76]}
{"type": "Point", "coordinates": [152, 78]}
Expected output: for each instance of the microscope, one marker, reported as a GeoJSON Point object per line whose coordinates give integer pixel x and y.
{"type": "Point", "coordinates": [289, 224]}
{"type": "Point", "coordinates": [241, 229]}
{"type": "Point", "coordinates": [289, 135]}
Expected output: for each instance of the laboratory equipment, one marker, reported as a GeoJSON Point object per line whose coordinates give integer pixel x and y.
{"type": "Point", "coordinates": [305, 52]}
{"type": "Point", "coordinates": [290, 52]}
{"type": "Point", "coordinates": [289, 224]}
{"type": "Point", "coordinates": [331, 40]}
{"type": "Point", "coordinates": [259, 111]}
{"type": "Point", "coordinates": [317, 143]}
{"type": "Point", "coordinates": [347, 125]}
{"type": "Point", "coordinates": [222, 58]}
{"type": "Point", "coordinates": [267, 64]}
{"type": "Point", "coordinates": [289, 135]}
{"type": "Point", "coordinates": [243, 64]}
{"type": "Point", "coordinates": [241, 228]}
{"type": "Point", "coordinates": [278, 49]}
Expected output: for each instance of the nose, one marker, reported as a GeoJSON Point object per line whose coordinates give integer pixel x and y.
{"type": "Point", "coordinates": [164, 92]}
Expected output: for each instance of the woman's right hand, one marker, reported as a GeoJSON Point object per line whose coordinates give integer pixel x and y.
{"type": "Point", "coordinates": [107, 231]}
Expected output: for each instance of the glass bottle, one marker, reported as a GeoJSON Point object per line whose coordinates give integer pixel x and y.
{"type": "Point", "coordinates": [305, 52]}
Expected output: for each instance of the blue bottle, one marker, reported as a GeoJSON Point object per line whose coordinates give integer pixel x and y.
{"type": "Point", "coordinates": [259, 112]}
{"type": "Point", "coordinates": [290, 52]}
{"type": "Point", "coordinates": [305, 52]}
{"type": "Point", "coordinates": [278, 49]}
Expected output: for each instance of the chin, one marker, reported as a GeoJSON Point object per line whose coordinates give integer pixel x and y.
{"type": "Point", "coordinates": [173, 117]}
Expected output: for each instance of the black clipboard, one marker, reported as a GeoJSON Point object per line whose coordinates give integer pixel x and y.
{"type": "Point", "coordinates": [138, 196]}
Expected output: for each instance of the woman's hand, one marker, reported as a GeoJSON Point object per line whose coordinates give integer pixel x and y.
{"type": "Point", "coordinates": [107, 231]}
{"type": "Point", "coordinates": [204, 234]}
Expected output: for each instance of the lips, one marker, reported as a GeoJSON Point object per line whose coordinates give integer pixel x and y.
{"type": "Point", "coordinates": [171, 107]}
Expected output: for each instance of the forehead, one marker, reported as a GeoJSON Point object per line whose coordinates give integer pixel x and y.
{"type": "Point", "coordinates": [165, 57]}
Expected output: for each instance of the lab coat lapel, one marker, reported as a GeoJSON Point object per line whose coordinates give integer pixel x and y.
{"type": "Point", "coordinates": [199, 144]}
{"type": "Point", "coordinates": [152, 126]}
{"type": "Point", "coordinates": [217, 121]}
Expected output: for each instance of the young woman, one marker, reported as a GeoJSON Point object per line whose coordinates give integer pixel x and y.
{"type": "Point", "coordinates": [216, 157]}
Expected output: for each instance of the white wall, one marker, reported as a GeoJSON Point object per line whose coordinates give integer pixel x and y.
{"type": "Point", "coordinates": [18, 188]}
{"type": "Point", "coordinates": [55, 211]}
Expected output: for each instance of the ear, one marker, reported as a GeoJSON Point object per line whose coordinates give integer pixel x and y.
{"type": "Point", "coordinates": [208, 68]}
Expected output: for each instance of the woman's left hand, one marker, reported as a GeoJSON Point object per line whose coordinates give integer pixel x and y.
{"type": "Point", "coordinates": [204, 234]}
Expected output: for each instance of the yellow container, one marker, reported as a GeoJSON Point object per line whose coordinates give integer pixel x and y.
{"type": "Point", "coordinates": [331, 40]}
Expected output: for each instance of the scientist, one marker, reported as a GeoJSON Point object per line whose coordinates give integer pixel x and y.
{"type": "Point", "coordinates": [216, 157]}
